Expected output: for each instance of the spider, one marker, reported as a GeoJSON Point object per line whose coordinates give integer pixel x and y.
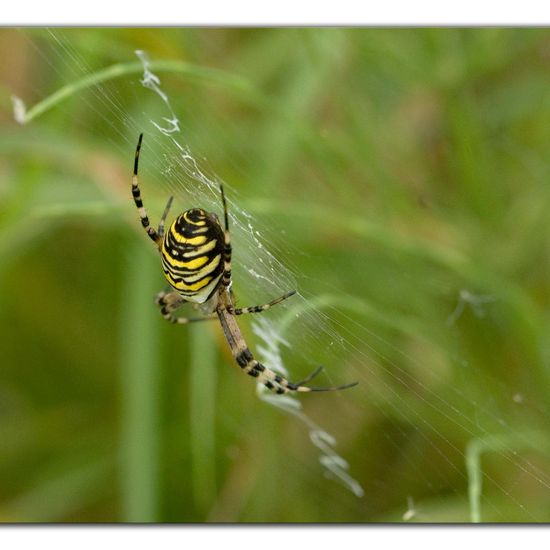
{"type": "Point", "coordinates": [196, 260]}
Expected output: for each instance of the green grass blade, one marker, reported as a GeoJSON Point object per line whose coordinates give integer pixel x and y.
{"type": "Point", "coordinates": [139, 386]}
{"type": "Point", "coordinates": [202, 403]}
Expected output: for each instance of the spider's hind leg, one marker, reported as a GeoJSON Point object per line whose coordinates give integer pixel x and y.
{"type": "Point", "coordinates": [280, 385]}
{"type": "Point", "coordinates": [310, 376]}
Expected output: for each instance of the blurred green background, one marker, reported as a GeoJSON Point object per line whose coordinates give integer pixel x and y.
{"type": "Point", "coordinates": [403, 174]}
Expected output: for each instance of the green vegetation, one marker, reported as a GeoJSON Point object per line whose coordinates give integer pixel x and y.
{"type": "Point", "coordinates": [403, 175]}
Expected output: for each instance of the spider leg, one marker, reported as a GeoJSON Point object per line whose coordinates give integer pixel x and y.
{"type": "Point", "coordinates": [163, 219]}
{"type": "Point", "coordinates": [136, 193]}
{"type": "Point", "coordinates": [168, 302]}
{"type": "Point", "coordinates": [330, 388]}
{"type": "Point", "coordinates": [226, 278]}
{"type": "Point", "coordinates": [249, 365]}
{"type": "Point", "coordinates": [279, 384]}
{"type": "Point", "coordinates": [310, 376]}
{"type": "Point", "coordinates": [300, 386]}
{"type": "Point", "coordinates": [257, 309]}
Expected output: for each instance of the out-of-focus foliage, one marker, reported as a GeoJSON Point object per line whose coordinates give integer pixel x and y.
{"type": "Point", "coordinates": [410, 171]}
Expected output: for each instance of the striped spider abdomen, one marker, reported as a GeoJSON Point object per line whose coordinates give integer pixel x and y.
{"type": "Point", "coordinates": [192, 255]}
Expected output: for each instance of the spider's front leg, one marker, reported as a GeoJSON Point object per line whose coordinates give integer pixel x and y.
{"type": "Point", "coordinates": [136, 193]}
{"type": "Point", "coordinates": [168, 302]}
{"type": "Point", "coordinates": [163, 218]}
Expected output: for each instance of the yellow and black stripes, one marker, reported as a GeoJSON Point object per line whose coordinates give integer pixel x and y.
{"type": "Point", "coordinates": [192, 255]}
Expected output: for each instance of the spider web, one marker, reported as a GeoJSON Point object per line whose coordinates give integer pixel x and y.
{"type": "Point", "coordinates": [262, 327]}
{"type": "Point", "coordinates": [326, 329]}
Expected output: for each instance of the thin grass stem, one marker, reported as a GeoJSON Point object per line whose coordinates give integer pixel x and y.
{"type": "Point", "coordinates": [496, 443]}
{"type": "Point", "coordinates": [232, 82]}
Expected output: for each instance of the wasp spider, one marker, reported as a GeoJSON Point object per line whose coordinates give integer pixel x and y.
{"type": "Point", "coordinates": [196, 259]}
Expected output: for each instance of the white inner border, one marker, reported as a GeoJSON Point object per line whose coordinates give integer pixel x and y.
{"type": "Point", "coordinates": [283, 12]}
